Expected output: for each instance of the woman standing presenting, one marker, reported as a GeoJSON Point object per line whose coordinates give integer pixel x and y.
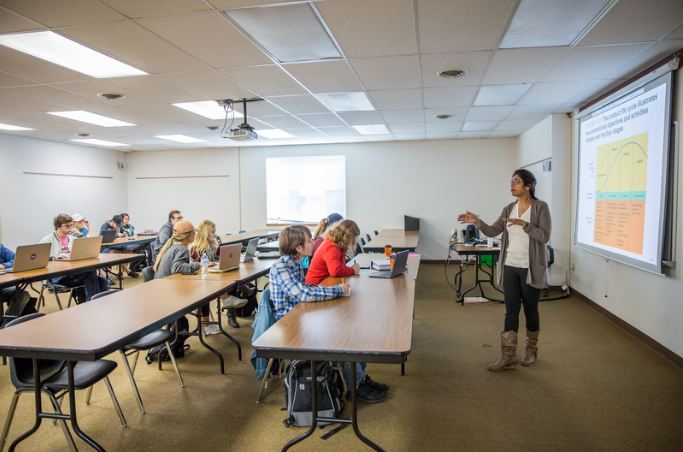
{"type": "Point", "coordinates": [523, 264]}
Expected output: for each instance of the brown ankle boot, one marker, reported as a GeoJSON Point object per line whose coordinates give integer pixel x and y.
{"type": "Point", "coordinates": [508, 343]}
{"type": "Point", "coordinates": [531, 350]}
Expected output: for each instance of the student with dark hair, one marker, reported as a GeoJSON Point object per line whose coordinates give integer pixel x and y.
{"type": "Point", "coordinates": [166, 230]}
{"type": "Point", "coordinates": [116, 223]}
{"type": "Point", "coordinates": [324, 225]}
{"type": "Point", "coordinates": [18, 303]}
{"type": "Point", "coordinates": [61, 243]}
{"type": "Point", "coordinates": [523, 265]}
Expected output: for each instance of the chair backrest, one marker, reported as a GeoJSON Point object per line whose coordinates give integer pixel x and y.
{"type": "Point", "coordinates": [359, 250]}
{"type": "Point", "coordinates": [21, 369]}
{"type": "Point", "coordinates": [147, 274]}
{"type": "Point", "coordinates": [104, 294]}
{"type": "Point", "coordinates": [376, 233]}
{"type": "Point", "coordinates": [368, 236]}
{"type": "Point", "coordinates": [362, 241]}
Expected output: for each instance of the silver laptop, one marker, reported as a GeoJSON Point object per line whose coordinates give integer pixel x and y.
{"type": "Point", "coordinates": [229, 258]}
{"type": "Point", "coordinates": [30, 257]}
{"type": "Point", "coordinates": [109, 236]}
{"type": "Point", "coordinates": [251, 250]}
{"type": "Point", "coordinates": [400, 262]}
{"type": "Point", "coordinates": [85, 248]}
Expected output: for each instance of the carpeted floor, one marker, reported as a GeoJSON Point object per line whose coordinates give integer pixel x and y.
{"type": "Point", "coordinates": [594, 387]}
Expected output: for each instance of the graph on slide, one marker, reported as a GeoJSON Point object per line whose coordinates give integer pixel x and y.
{"type": "Point", "coordinates": [621, 186]}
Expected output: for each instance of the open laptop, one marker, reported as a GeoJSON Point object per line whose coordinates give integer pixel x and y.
{"type": "Point", "coordinates": [400, 262]}
{"type": "Point", "coordinates": [85, 248]}
{"type": "Point", "coordinates": [30, 257]}
{"type": "Point", "coordinates": [109, 235]}
{"type": "Point", "coordinates": [251, 250]}
{"type": "Point", "coordinates": [229, 258]}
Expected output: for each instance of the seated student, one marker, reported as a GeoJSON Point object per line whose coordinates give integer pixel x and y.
{"type": "Point", "coordinates": [330, 260]}
{"type": "Point", "coordinates": [324, 225]}
{"type": "Point", "coordinates": [166, 230]}
{"type": "Point", "coordinates": [61, 248]}
{"type": "Point", "coordinates": [205, 242]}
{"type": "Point", "coordinates": [81, 226]}
{"type": "Point", "coordinates": [126, 227]}
{"type": "Point", "coordinates": [174, 257]}
{"type": "Point", "coordinates": [116, 223]}
{"type": "Point", "coordinates": [26, 305]}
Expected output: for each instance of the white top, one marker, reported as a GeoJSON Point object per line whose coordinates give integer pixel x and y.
{"type": "Point", "coordinates": [517, 254]}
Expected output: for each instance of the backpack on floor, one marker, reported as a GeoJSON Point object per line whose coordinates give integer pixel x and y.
{"type": "Point", "coordinates": [248, 292]}
{"type": "Point", "coordinates": [178, 347]}
{"type": "Point", "coordinates": [330, 389]}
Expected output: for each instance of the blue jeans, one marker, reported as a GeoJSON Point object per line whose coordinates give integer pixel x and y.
{"type": "Point", "coordinates": [92, 283]}
{"type": "Point", "coordinates": [360, 374]}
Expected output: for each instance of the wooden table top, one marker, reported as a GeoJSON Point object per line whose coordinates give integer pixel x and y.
{"type": "Point", "coordinates": [365, 259]}
{"type": "Point", "coordinates": [245, 273]}
{"type": "Point", "coordinates": [237, 238]}
{"type": "Point", "coordinates": [397, 241]}
{"type": "Point", "coordinates": [92, 330]}
{"type": "Point", "coordinates": [124, 241]}
{"type": "Point", "coordinates": [374, 324]}
{"type": "Point", "coordinates": [63, 268]}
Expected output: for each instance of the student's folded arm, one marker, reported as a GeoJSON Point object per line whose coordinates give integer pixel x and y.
{"type": "Point", "coordinates": [7, 257]}
{"type": "Point", "coordinates": [299, 292]}
{"type": "Point", "coordinates": [335, 266]}
{"type": "Point", "coordinates": [186, 268]}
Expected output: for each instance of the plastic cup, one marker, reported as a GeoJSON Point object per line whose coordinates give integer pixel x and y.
{"type": "Point", "coordinates": [387, 251]}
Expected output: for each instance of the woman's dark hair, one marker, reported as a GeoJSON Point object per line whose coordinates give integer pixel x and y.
{"type": "Point", "coordinates": [528, 180]}
{"type": "Point", "coordinates": [125, 215]}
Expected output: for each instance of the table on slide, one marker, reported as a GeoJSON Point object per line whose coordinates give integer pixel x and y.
{"type": "Point", "coordinates": [93, 330]}
{"type": "Point", "coordinates": [477, 251]}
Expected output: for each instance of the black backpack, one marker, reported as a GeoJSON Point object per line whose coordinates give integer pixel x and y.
{"type": "Point", "coordinates": [330, 390]}
{"type": "Point", "coordinates": [178, 347]}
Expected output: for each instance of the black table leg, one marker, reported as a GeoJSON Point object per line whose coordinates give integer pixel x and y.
{"type": "Point", "coordinates": [39, 407]}
{"type": "Point", "coordinates": [314, 409]}
{"type": "Point", "coordinates": [72, 409]}
{"type": "Point", "coordinates": [220, 326]}
{"type": "Point", "coordinates": [354, 417]}
{"type": "Point", "coordinates": [201, 340]}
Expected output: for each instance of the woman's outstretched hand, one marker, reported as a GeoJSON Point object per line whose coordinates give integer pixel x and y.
{"type": "Point", "coordinates": [517, 221]}
{"type": "Point", "coordinates": [468, 217]}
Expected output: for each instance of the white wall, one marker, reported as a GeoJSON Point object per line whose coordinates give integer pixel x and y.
{"type": "Point", "coordinates": [30, 202]}
{"type": "Point", "coordinates": [433, 180]}
{"type": "Point", "coordinates": [652, 304]}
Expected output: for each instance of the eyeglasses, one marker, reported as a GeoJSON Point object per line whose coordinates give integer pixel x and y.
{"type": "Point", "coordinates": [68, 226]}
{"type": "Point", "coordinates": [514, 182]}
{"type": "Point", "coordinates": [178, 218]}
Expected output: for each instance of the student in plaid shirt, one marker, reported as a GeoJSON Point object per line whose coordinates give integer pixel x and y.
{"type": "Point", "coordinates": [287, 278]}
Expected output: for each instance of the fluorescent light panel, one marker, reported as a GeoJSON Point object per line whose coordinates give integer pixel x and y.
{"type": "Point", "coordinates": [57, 49]}
{"type": "Point", "coordinates": [545, 23]}
{"type": "Point", "coordinates": [10, 127]}
{"type": "Point", "coordinates": [500, 94]}
{"type": "Point", "coordinates": [290, 32]}
{"type": "Point", "coordinates": [478, 126]}
{"type": "Point", "coordinates": [274, 133]}
{"type": "Point", "coordinates": [374, 129]}
{"type": "Point", "coordinates": [90, 118]}
{"type": "Point", "coordinates": [180, 138]}
{"type": "Point", "coordinates": [208, 108]}
{"type": "Point", "coordinates": [347, 101]}
{"type": "Point", "coordinates": [101, 142]}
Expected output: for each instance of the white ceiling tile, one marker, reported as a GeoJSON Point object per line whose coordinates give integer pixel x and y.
{"type": "Point", "coordinates": [442, 135]}
{"type": "Point", "coordinates": [676, 34]}
{"type": "Point", "coordinates": [128, 115]}
{"type": "Point", "coordinates": [90, 88]}
{"type": "Point", "coordinates": [13, 23]}
{"type": "Point", "coordinates": [399, 72]}
{"type": "Point", "coordinates": [258, 109]}
{"type": "Point", "coordinates": [385, 137]}
{"type": "Point", "coordinates": [360, 118]}
{"type": "Point", "coordinates": [403, 116]}
{"type": "Point", "coordinates": [461, 25]}
{"type": "Point", "coordinates": [29, 103]}
{"type": "Point", "coordinates": [297, 105]}
{"type": "Point", "coordinates": [533, 111]}
{"type": "Point", "coordinates": [148, 130]}
{"type": "Point", "coordinates": [636, 21]}
{"type": "Point", "coordinates": [63, 13]}
{"type": "Point", "coordinates": [7, 80]}
{"type": "Point", "coordinates": [12, 110]}
{"type": "Point", "coordinates": [22, 65]}
{"type": "Point", "coordinates": [444, 127]}
{"type": "Point", "coordinates": [646, 58]}
{"type": "Point", "coordinates": [169, 113]}
{"type": "Point", "coordinates": [515, 66]}
{"type": "Point", "coordinates": [210, 83]}
{"type": "Point", "coordinates": [306, 132]}
{"type": "Point", "coordinates": [397, 99]}
{"type": "Point", "coordinates": [553, 93]}
{"type": "Point", "coordinates": [322, 120]}
{"type": "Point", "coordinates": [522, 124]}
{"type": "Point", "coordinates": [133, 44]}
{"type": "Point", "coordinates": [418, 127]}
{"type": "Point", "coordinates": [340, 132]}
{"type": "Point", "coordinates": [230, 4]}
{"type": "Point", "coordinates": [472, 135]}
{"type": "Point", "coordinates": [265, 80]}
{"type": "Point", "coordinates": [208, 36]}
{"type": "Point", "coordinates": [478, 126]}
{"type": "Point", "coordinates": [136, 8]}
{"type": "Point", "coordinates": [58, 96]}
{"type": "Point", "coordinates": [325, 76]}
{"type": "Point", "coordinates": [33, 121]}
{"type": "Point", "coordinates": [595, 90]}
{"type": "Point", "coordinates": [60, 122]}
{"type": "Point", "coordinates": [449, 97]}
{"type": "Point", "coordinates": [488, 113]}
{"type": "Point", "coordinates": [592, 63]}
{"type": "Point", "coordinates": [570, 107]}
{"type": "Point", "coordinates": [371, 28]}
{"type": "Point", "coordinates": [456, 114]}
{"type": "Point", "coordinates": [282, 122]}
{"type": "Point", "coordinates": [157, 88]}
{"type": "Point", "coordinates": [504, 134]}
{"type": "Point", "coordinates": [474, 62]}
{"type": "Point", "coordinates": [409, 136]}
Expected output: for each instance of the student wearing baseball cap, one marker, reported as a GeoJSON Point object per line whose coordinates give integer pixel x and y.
{"type": "Point", "coordinates": [81, 226]}
{"type": "Point", "coordinates": [115, 223]}
{"type": "Point", "coordinates": [174, 257]}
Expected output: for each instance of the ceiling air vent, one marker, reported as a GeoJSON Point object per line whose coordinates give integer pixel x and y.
{"type": "Point", "coordinates": [111, 96]}
{"type": "Point", "coordinates": [451, 73]}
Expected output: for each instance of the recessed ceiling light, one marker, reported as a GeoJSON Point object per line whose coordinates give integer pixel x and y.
{"type": "Point", "coordinates": [111, 96]}
{"type": "Point", "coordinates": [374, 129]}
{"type": "Point", "coordinates": [500, 95]}
{"type": "Point", "coordinates": [180, 138]}
{"type": "Point", "coordinates": [101, 142]}
{"type": "Point", "coordinates": [451, 73]}
{"type": "Point", "coordinates": [57, 49]}
{"type": "Point", "coordinates": [82, 135]}
{"type": "Point", "coordinates": [290, 32]}
{"type": "Point", "coordinates": [90, 118]}
{"type": "Point", "coordinates": [443, 116]}
{"type": "Point", "coordinates": [274, 133]}
{"type": "Point", "coordinates": [346, 101]}
{"type": "Point", "coordinates": [13, 128]}
{"type": "Point", "coordinates": [212, 128]}
{"type": "Point", "coordinates": [208, 108]}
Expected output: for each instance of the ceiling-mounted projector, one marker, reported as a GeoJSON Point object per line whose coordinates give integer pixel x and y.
{"type": "Point", "coordinates": [244, 132]}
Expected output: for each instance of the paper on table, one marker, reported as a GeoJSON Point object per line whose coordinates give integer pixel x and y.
{"type": "Point", "coordinates": [348, 294]}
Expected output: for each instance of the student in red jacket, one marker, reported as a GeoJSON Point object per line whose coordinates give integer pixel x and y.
{"type": "Point", "coordinates": [330, 259]}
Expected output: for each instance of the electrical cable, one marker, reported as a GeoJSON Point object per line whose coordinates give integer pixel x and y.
{"type": "Point", "coordinates": [226, 128]}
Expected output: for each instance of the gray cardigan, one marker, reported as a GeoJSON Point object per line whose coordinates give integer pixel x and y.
{"type": "Point", "coordinates": [538, 229]}
{"type": "Point", "coordinates": [176, 259]}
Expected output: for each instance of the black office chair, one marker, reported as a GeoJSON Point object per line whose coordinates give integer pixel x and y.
{"type": "Point", "coordinates": [362, 241]}
{"type": "Point", "coordinates": [56, 289]}
{"type": "Point", "coordinates": [54, 376]}
{"type": "Point", "coordinates": [376, 233]}
{"type": "Point", "coordinates": [368, 236]}
{"type": "Point", "coordinates": [359, 250]}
